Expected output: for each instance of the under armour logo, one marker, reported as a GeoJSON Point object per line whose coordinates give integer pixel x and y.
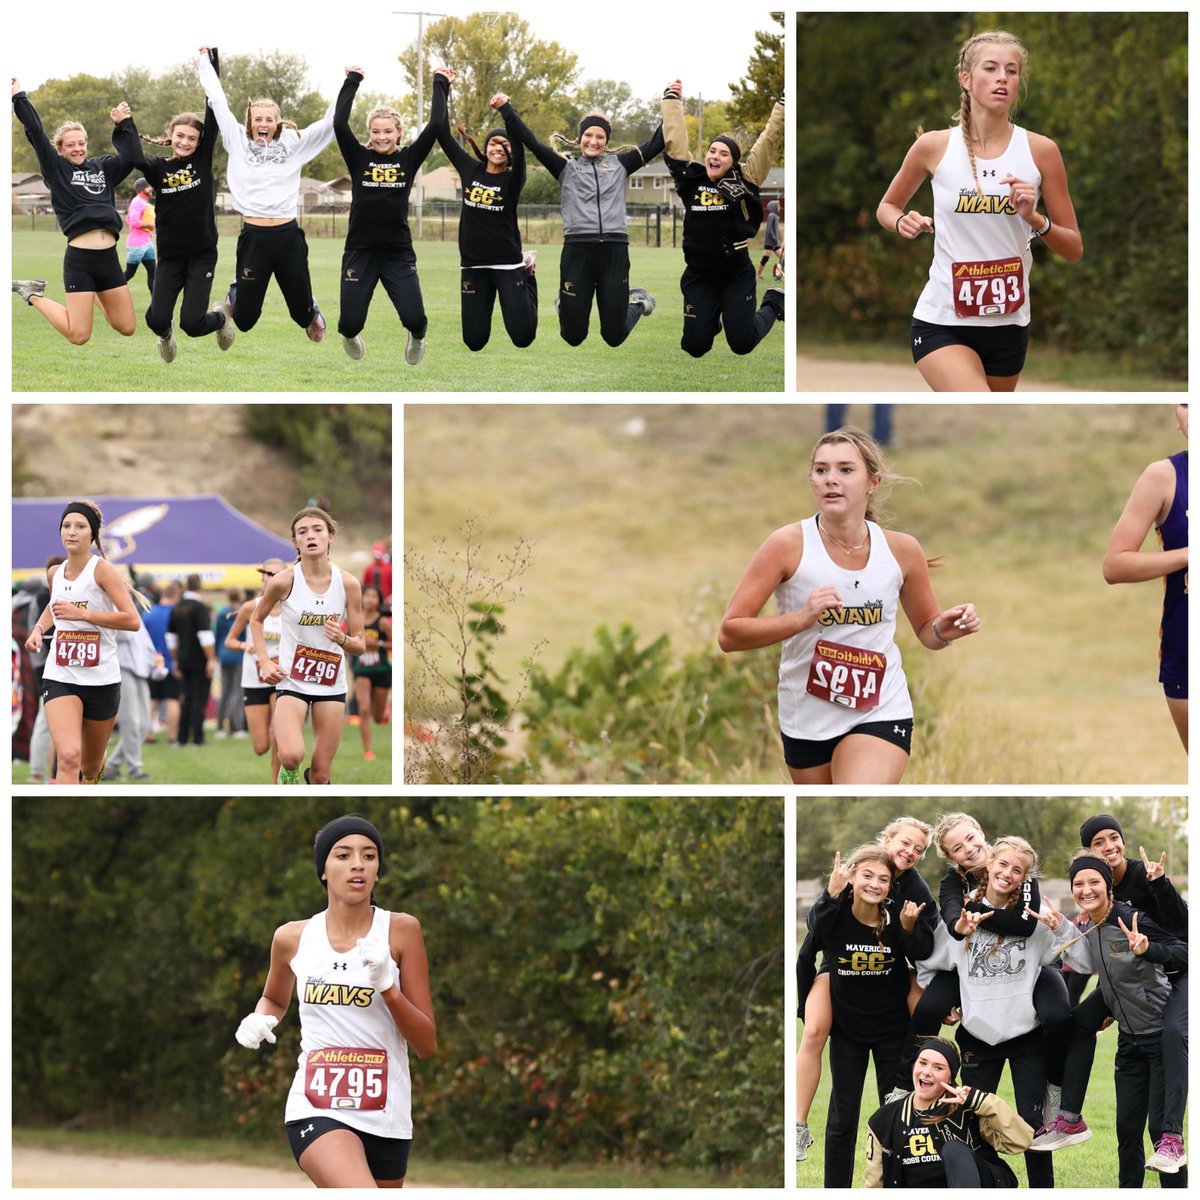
{"type": "Point", "coordinates": [985, 174]}
{"type": "Point", "coordinates": [306, 1132]}
{"type": "Point", "coordinates": [899, 729]}
{"type": "Point", "coordinates": [341, 966]}
{"type": "Point", "coordinates": [916, 341]}
{"type": "Point", "coordinates": [856, 583]}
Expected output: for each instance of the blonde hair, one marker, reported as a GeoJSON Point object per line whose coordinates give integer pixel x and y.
{"type": "Point", "coordinates": [561, 139]}
{"type": "Point", "coordinates": [384, 113]}
{"type": "Point", "coordinates": [947, 822]}
{"type": "Point", "coordinates": [142, 600]}
{"type": "Point", "coordinates": [280, 123]}
{"type": "Point", "coordinates": [872, 456]}
{"type": "Point", "coordinates": [1020, 846]}
{"type": "Point", "coordinates": [184, 118]}
{"type": "Point", "coordinates": [61, 132]}
{"type": "Point", "coordinates": [967, 57]}
{"type": "Point", "coordinates": [894, 827]}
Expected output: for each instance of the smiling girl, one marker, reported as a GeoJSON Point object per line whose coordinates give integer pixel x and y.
{"type": "Point", "coordinates": [839, 579]}
{"type": "Point", "coordinates": [970, 329]}
{"type": "Point", "coordinates": [362, 981]}
{"type": "Point", "coordinates": [83, 196]}
{"type": "Point", "coordinates": [310, 670]}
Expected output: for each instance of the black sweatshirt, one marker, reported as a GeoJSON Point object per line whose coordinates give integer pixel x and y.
{"type": "Point", "coordinates": [1158, 899]}
{"type": "Point", "coordinates": [488, 233]}
{"type": "Point", "coordinates": [381, 183]}
{"type": "Point", "coordinates": [83, 197]}
{"type": "Point", "coordinates": [1013, 922]}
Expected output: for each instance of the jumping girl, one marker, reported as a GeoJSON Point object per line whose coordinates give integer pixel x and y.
{"type": "Point", "coordinates": [82, 194]}
{"type": "Point", "coordinates": [940, 1135]}
{"type": "Point", "coordinates": [187, 228]}
{"type": "Point", "coordinates": [1160, 499]}
{"type": "Point", "coordinates": [489, 239]}
{"type": "Point", "coordinates": [904, 841]}
{"type": "Point", "coordinates": [868, 947]}
{"type": "Point", "coordinates": [970, 329]}
{"type": "Point", "coordinates": [266, 156]}
{"type": "Point", "coordinates": [258, 696]}
{"type": "Point", "coordinates": [1134, 960]}
{"type": "Point", "coordinates": [311, 669]}
{"type": "Point", "coordinates": [81, 682]}
{"type": "Point", "coordinates": [379, 245]}
{"type": "Point", "coordinates": [139, 242]}
{"type": "Point", "coordinates": [844, 710]}
{"type": "Point", "coordinates": [595, 255]}
{"type": "Point", "coordinates": [373, 667]}
{"type": "Point", "coordinates": [362, 980]}
{"type": "Point", "coordinates": [722, 211]}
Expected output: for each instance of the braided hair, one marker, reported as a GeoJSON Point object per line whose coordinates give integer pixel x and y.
{"type": "Point", "coordinates": [967, 57]}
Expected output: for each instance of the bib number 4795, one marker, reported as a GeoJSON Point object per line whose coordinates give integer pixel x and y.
{"type": "Point", "coordinates": [346, 1077]}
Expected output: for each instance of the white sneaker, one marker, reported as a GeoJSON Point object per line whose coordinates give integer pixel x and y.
{"type": "Point", "coordinates": [228, 331]}
{"type": "Point", "coordinates": [414, 350]}
{"type": "Point", "coordinates": [168, 347]}
{"type": "Point", "coordinates": [804, 1139]}
{"type": "Point", "coordinates": [354, 347]}
{"type": "Point", "coordinates": [642, 299]}
{"type": "Point", "coordinates": [28, 288]}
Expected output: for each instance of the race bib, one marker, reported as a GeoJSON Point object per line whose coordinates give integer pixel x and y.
{"type": "Point", "coordinates": [846, 675]}
{"type": "Point", "coordinates": [259, 667]}
{"type": "Point", "coordinates": [77, 647]}
{"type": "Point", "coordinates": [369, 659]}
{"type": "Point", "coordinates": [310, 665]}
{"type": "Point", "coordinates": [341, 1077]}
{"type": "Point", "coordinates": [988, 289]}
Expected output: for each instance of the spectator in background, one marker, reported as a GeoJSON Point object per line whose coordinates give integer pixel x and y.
{"type": "Point", "coordinates": [41, 767]}
{"type": "Point", "coordinates": [136, 654]}
{"type": "Point", "coordinates": [193, 647]}
{"type": "Point", "coordinates": [139, 242]}
{"type": "Point", "coordinates": [881, 421]}
{"type": "Point", "coordinates": [379, 573]}
{"type": "Point", "coordinates": [230, 712]}
{"type": "Point", "coordinates": [164, 686]}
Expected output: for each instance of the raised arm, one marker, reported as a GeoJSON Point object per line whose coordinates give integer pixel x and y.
{"type": "Point", "coordinates": [316, 137]}
{"type": "Point", "coordinates": [232, 133]}
{"type": "Point", "coordinates": [32, 124]}
{"type": "Point", "coordinates": [639, 156]}
{"type": "Point", "coordinates": [674, 124]}
{"type": "Point", "coordinates": [552, 161]}
{"type": "Point", "coordinates": [347, 142]}
{"type": "Point", "coordinates": [438, 107]}
{"type": "Point", "coordinates": [765, 150]}
{"type": "Point", "coordinates": [517, 146]}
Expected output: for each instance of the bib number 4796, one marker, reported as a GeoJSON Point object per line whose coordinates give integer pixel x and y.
{"type": "Point", "coordinates": [311, 665]}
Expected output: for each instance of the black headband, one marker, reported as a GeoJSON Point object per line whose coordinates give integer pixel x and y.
{"type": "Point", "coordinates": [947, 1049]}
{"type": "Point", "coordinates": [1089, 862]}
{"type": "Point", "coordinates": [331, 834]}
{"type": "Point", "coordinates": [734, 148]}
{"type": "Point", "coordinates": [1095, 825]}
{"type": "Point", "coordinates": [84, 511]}
{"type": "Point", "coordinates": [595, 120]}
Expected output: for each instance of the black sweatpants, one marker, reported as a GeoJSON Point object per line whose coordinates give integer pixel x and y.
{"type": "Point", "coordinates": [195, 687]}
{"type": "Point", "coordinates": [723, 294]}
{"type": "Point", "coordinates": [191, 274]}
{"type": "Point", "coordinates": [263, 251]}
{"type": "Point", "coordinates": [1138, 1071]}
{"type": "Point", "coordinates": [982, 1067]}
{"type": "Point", "coordinates": [847, 1075]}
{"type": "Point", "coordinates": [517, 292]}
{"type": "Point", "coordinates": [397, 271]}
{"type": "Point", "coordinates": [599, 269]}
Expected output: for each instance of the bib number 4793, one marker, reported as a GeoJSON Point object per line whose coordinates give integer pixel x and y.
{"type": "Point", "coordinates": [989, 288]}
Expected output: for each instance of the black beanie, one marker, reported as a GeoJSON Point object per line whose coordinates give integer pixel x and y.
{"type": "Point", "coordinates": [329, 835]}
{"type": "Point", "coordinates": [1095, 825]}
{"type": "Point", "coordinates": [1089, 862]}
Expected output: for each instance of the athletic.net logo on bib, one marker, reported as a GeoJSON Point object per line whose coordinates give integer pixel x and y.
{"type": "Point", "coordinates": [311, 665]}
{"type": "Point", "coordinates": [77, 648]}
{"type": "Point", "coordinates": [846, 675]}
{"type": "Point", "coordinates": [991, 288]}
{"type": "Point", "coordinates": [342, 1077]}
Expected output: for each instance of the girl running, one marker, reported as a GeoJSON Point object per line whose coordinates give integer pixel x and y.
{"type": "Point", "coordinates": [722, 211]}
{"type": "Point", "coordinates": [868, 946]}
{"type": "Point", "coordinates": [373, 667]}
{"type": "Point", "coordinates": [258, 696]}
{"type": "Point", "coordinates": [362, 980]}
{"type": "Point", "coordinates": [904, 841]}
{"type": "Point", "coordinates": [838, 579]}
{"type": "Point", "coordinates": [595, 255]}
{"type": "Point", "coordinates": [970, 329]}
{"type": "Point", "coordinates": [81, 682]}
{"type": "Point", "coordinates": [139, 242]}
{"type": "Point", "coordinates": [489, 238]}
{"type": "Point", "coordinates": [379, 245]}
{"type": "Point", "coordinates": [82, 194]}
{"type": "Point", "coordinates": [266, 156]}
{"type": "Point", "coordinates": [187, 228]}
{"type": "Point", "coordinates": [1160, 499]}
{"type": "Point", "coordinates": [310, 673]}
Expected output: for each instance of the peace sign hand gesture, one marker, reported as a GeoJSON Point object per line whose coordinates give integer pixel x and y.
{"type": "Point", "coordinates": [1052, 919]}
{"type": "Point", "coordinates": [969, 921]}
{"type": "Point", "coordinates": [909, 914]}
{"type": "Point", "coordinates": [1154, 870]}
{"type": "Point", "coordinates": [952, 1095]}
{"type": "Point", "coordinates": [1139, 943]}
{"type": "Point", "coordinates": [838, 879]}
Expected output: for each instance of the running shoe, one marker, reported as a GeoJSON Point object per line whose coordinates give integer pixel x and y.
{"type": "Point", "coordinates": [289, 777]}
{"type": "Point", "coordinates": [138, 777]}
{"type": "Point", "coordinates": [1060, 1133]}
{"type": "Point", "coordinates": [414, 350]}
{"type": "Point", "coordinates": [774, 297]}
{"type": "Point", "coordinates": [228, 331]}
{"type": "Point", "coordinates": [112, 773]}
{"type": "Point", "coordinates": [28, 288]}
{"type": "Point", "coordinates": [1051, 1103]}
{"type": "Point", "coordinates": [368, 755]}
{"type": "Point", "coordinates": [642, 299]}
{"type": "Point", "coordinates": [1169, 1155]}
{"type": "Point", "coordinates": [316, 327]}
{"type": "Point", "coordinates": [897, 1093]}
{"type": "Point", "coordinates": [168, 347]}
{"type": "Point", "coordinates": [529, 258]}
{"type": "Point", "coordinates": [804, 1139]}
{"type": "Point", "coordinates": [354, 347]}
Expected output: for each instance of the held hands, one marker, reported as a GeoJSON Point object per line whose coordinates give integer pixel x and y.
{"type": "Point", "coordinates": [838, 879]}
{"type": "Point", "coordinates": [377, 958]}
{"type": "Point", "coordinates": [448, 72]}
{"type": "Point", "coordinates": [356, 71]}
{"type": "Point", "coordinates": [122, 111]}
{"type": "Point", "coordinates": [1139, 943]}
{"type": "Point", "coordinates": [1023, 196]}
{"type": "Point", "coordinates": [499, 100]}
{"type": "Point", "coordinates": [16, 84]}
{"type": "Point", "coordinates": [969, 921]}
{"type": "Point", "coordinates": [911, 225]}
{"type": "Point", "coordinates": [673, 91]}
{"type": "Point", "coordinates": [909, 914]}
{"type": "Point", "coordinates": [255, 1029]}
{"type": "Point", "coordinates": [1154, 870]}
{"type": "Point", "coordinates": [1052, 919]}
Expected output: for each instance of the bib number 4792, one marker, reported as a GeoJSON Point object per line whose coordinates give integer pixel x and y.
{"type": "Point", "coordinates": [846, 675]}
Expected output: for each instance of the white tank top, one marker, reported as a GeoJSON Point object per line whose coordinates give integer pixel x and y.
{"type": "Point", "coordinates": [353, 1063]}
{"type": "Point", "coordinates": [314, 665]}
{"type": "Point", "coordinates": [272, 628]}
{"type": "Point", "coordinates": [862, 635]}
{"type": "Point", "coordinates": [82, 653]}
{"type": "Point", "coordinates": [981, 258]}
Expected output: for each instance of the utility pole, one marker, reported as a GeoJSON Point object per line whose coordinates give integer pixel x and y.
{"type": "Point", "coordinates": [700, 148]}
{"type": "Point", "coordinates": [418, 194]}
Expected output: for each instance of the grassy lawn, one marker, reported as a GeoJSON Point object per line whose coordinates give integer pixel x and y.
{"type": "Point", "coordinates": [275, 356]}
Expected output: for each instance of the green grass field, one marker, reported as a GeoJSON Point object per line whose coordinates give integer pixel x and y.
{"type": "Point", "coordinates": [276, 356]}
{"type": "Point", "coordinates": [222, 761]}
{"type": "Point", "coordinates": [1090, 1165]}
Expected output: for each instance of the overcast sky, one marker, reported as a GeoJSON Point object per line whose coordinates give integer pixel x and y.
{"type": "Point", "coordinates": [646, 46]}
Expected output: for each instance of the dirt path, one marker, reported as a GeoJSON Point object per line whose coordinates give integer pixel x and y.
{"type": "Point", "coordinates": [830, 375]}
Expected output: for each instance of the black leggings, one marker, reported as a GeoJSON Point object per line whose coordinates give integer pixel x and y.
{"type": "Point", "coordinates": [847, 1075]}
{"type": "Point", "coordinates": [1138, 1077]}
{"type": "Point", "coordinates": [263, 251]}
{"type": "Point", "coordinates": [131, 271]}
{"type": "Point", "coordinates": [397, 271]}
{"type": "Point", "coordinates": [723, 295]}
{"type": "Point", "coordinates": [191, 274]}
{"type": "Point", "coordinates": [599, 269]}
{"type": "Point", "coordinates": [517, 291]}
{"type": "Point", "coordinates": [942, 994]}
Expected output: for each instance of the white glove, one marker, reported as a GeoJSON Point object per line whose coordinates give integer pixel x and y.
{"type": "Point", "coordinates": [377, 959]}
{"type": "Point", "coordinates": [254, 1029]}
